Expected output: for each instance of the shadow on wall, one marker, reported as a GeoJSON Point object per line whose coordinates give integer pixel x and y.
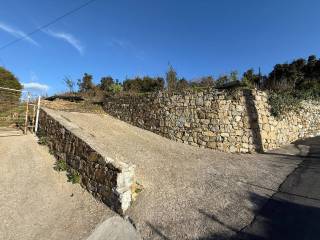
{"type": "Point", "coordinates": [253, 119]}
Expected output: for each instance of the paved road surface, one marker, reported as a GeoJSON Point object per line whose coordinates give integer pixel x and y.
{"type": "Point", "coordinates": [294, 211]}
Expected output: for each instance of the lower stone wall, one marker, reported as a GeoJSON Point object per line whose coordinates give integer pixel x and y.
{"type": "Point", "coordinates": [292, 126]}
{"type": "Point", "coordinates": [106, 179]}
{"type": "Point", "coordinates": [237, 122]}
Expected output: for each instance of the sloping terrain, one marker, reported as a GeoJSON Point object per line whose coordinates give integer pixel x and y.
{"type": "Point", "coordinates": [37, 202]}
{"type": "Point", "coordinates": [189, 193]}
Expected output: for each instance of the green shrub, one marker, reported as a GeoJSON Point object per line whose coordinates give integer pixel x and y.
{"type": "Point", "coordinates": [283, 102]}
{"type": "Point", "coordinates": [43, 140]}
{"type": "Point", "coordinates": [60, 165]}
{"type": "Point", "coordinates": [73, 176]}
{"type": "Point", "coordinates": [116, 88]}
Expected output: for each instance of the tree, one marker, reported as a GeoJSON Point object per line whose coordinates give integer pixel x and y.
{"type": "Point", "coordinates": [233, 76]}
{"type": "Point", "coordinates": [85, 84]}
{"type": "Point", "coordinates": [8, 80]}
{"type": "Point", "coordinates": [250, 79]}
{"type": "Point", "coordinates": [299, 74]}
{"type": "Point", "coordinates": [106, 83]}
{"type": "Point", "coordinates": [115, 88]}
{"type": "Point", "coordinates": [222, 80]}
{"type": "Point", "coordinates": [182, 84]}
{"type": "Point", "coordinates": [171, 78]}
{"type": "Point", "coordinates": [145, 84]}
{"type": "Point", "coordinates": [206, 81]}
{"type": "Point", "coordinates": [69, 83]}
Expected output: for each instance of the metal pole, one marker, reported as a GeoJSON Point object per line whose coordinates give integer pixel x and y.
{"type": "Point", "coordinates": [37, 116]}
{"type": "Point", "coordinates": [27, 112]}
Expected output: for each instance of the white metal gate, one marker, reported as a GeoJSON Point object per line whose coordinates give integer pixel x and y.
{"type": "Point", "coordinates": [19, 110]}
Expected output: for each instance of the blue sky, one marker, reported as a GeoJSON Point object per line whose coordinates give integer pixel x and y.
{"type": "Point", "coordinates": [139, 37]}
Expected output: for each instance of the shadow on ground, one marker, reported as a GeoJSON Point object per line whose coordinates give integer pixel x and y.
{"type": "Point", "coordinates": [293, 212]}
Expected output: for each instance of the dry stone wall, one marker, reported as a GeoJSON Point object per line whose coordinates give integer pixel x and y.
{"type": "Point", "coordinates": [237, 122]}
{"type": "Point", "coordinates": [292, 126]}
{"type": "Point", "coordinates": [106, 179]}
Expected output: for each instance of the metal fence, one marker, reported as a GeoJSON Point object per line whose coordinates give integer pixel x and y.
{"type": "Point", "coordinates": [19, 109]}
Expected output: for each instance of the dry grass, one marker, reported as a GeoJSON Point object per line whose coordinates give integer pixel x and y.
{"type": "Point", "coordinates": [83, 107]}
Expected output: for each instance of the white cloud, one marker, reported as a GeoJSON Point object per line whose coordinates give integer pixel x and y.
{"type": "Point", "coordinates": [17, 33]}
{"type": "Point", "coordinates": [36, 86]}
{"type": "Point", "coordinates": [69, 38]}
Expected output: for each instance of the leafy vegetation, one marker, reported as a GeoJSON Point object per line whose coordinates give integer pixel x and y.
{"type": "Point", "coordinates": [43, 140]}
{"type": "Point", "coordinates": [9, 100]}
{"type": "Point", "coordinates": [142, 85]}
{"type": "Point", "coordinates": [171, 78]}
{"type": "Point", "coordinates": [8, 80]}
{"type": "Point", "coordinates": [288, 84]}
{"type": "Point", "coordinates": [73, 176]}
{"type": "Point", "coordinates": [60, 165]}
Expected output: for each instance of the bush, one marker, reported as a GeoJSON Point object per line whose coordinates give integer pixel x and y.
{"type": "Point", "coordinates": [73, 176]}
{"type": "Point", "coordinates": [115, 88]}
{"type": "Point", "coordinates": [43, 140]}
{"type": "Point", "coordinates": [283, 102]}
{"type": "Point", "coordinates": [60, 165]}
{"type": "Point", "coordinates": [145, 84]}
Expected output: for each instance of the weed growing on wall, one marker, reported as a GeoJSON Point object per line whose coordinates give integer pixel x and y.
{"type": "Point", "coordinates": [60, 165]}
{"type": "Point", "coordinates": [73, 176]}
{"type": "Point", "coordinates": [42, 139]}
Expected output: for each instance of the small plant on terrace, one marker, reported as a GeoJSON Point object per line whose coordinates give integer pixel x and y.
{"type": "Point", "coordinates": [73, 176]}
{"type": "Point", "coordinates": [60, 165]}
{"type": "Point", "coordinates": [43, 140]}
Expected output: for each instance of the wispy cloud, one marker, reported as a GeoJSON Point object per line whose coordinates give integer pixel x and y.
{"type": "Point", "coordinates": [127, 46]}
{"type": "Point", "coordinates": [69, 38]}
{"type": "Point", "coordinates": [36, 86]}
{"type": "Point", "coordinates": [17, 33]}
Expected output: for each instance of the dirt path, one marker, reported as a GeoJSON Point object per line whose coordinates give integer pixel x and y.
{"type": "Point", "coordinates": [37, 202]}
{"type": "Point", "coordinates": [189, 193]}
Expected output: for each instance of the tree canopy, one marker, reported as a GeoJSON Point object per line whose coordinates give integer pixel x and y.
{"type": "Point", "coordinates": [85, 84]}
{"type": "Point", "coordinates": [8, 80]}
{"type": "Point", "coordinates": [145, 84]}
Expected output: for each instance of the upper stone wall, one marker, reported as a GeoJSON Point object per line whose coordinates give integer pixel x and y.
{"type": "Point", "coordinates": [240, 122]}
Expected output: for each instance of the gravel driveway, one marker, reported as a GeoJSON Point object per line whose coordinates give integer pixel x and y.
{"type": "Point", "coordinates": [37, 202]}
{"type": "Point", "coordinates": [189, 193]}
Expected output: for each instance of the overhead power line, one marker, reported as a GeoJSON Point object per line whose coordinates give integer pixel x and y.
{"type": "Point", "coordinates": [47, 24]}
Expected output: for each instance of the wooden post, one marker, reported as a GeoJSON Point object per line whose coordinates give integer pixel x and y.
{"type": "Point", "coordinates": [37, 116]}
{"type": "Point", "coordinates": [27, 112]}
{"type": "Point", "coordinates": [33, 117]}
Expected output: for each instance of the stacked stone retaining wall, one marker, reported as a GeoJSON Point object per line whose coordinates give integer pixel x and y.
{"type": "Point", "coordinates": [105, 178]}
{"type": "Point", "coordinates": [237, 122]}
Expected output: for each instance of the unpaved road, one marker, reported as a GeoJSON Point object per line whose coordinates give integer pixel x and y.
{"type": "Point", "coordinates": [189, 193]}
{"type": "Point", "coordinates": [37, 202]}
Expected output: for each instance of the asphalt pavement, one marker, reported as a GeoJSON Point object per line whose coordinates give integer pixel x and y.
{"type": "Point", "coordinates": [293, 212]}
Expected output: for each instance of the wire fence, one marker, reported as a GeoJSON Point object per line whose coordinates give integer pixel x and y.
{"type": "Point", "coordinates": [18, 109]}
